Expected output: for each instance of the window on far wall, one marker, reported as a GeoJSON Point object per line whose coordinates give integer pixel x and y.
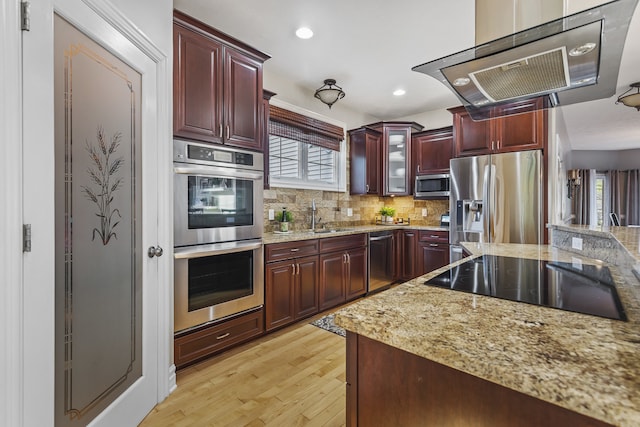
{"type": "Point", "coordinates": [305, 152]}
{"type": "Point", "coordinates": [600, 197]}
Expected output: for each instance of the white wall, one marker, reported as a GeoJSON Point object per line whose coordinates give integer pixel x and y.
{"type": "Point", "coordinates": [606, 160]}
{"type": "Point", "coordinates": [558, 162]}
{"type": "Point", "coordinates": [431, 119]}
{"type": "Point", "coordinates": [154, 18]}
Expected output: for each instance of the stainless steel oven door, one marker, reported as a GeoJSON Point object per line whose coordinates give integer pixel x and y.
{"type": "Point", "coordinates": [216, 281]}
{"type": "Point", "coordinates": [216, 204]}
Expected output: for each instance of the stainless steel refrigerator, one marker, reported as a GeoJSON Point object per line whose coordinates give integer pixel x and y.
{"type": "Point", "coordinates": [496, 198]}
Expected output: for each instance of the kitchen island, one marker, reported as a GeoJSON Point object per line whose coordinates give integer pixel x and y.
{"type": "Point", "coordinates": [447, 357]}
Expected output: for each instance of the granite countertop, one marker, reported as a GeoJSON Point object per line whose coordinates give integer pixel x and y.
{"type": "Point", "coordinates": [587, 364]}
{"type": "Point", "coordinates": [342, 231]}
{"type": "Point", "coordinates": [629, 237]}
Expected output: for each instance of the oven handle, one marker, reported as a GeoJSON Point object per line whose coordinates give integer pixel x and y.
{"type": "Point", "coordinates": [215, 249]}
{"type": "Point", "coordinates": [217, 171]}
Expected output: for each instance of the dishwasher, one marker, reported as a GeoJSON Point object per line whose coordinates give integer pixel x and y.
{"type": "Point", "coordinates": [381, 259]}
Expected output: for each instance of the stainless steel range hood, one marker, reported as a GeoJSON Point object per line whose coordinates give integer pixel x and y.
{"type": "Point", "coordinates": [566, 61]}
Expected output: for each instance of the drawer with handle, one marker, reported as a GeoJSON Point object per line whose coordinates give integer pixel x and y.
{"type": "Point", "coordinates": [288, 250]}
{"type": "Point", "coordinates": [193, 346]}
{"type": "Point", "coordinates": [435, 236]}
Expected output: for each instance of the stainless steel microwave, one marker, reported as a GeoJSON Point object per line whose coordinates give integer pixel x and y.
{"type": "Point", "coordinates": [434, 186]}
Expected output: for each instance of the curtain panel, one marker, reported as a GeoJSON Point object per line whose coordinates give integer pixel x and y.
{"type": "Point", "coordinates": [581, 204]}
{"type": "Point", "coordinates": [624, 195]}
{"type": "Point", "coordinates": [632, 197]}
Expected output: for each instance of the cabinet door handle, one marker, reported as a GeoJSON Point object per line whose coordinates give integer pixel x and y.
{"type": "Point", "coordinates": [434, 245]}
{"type": "Point", "coordinates": [298, 269]}
{"type": "Point", "coordinates": [418, 168]}
{"type": "Point", "coordinates": [295, 249]}
{"type": "Point", "coordinates": [228, 132]}
{"type": "Point", "coordinates": [293, 269]}
{"type": "Point", "coordinates": [220, 130]}
{"type": "Point", "coordinates": [223, 336]}
{"type": "Point", "coordinates": [367, 186]}
{"type": "Point", "coordinates": [348, 258]}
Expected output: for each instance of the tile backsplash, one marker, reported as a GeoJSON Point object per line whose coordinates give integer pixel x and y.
{"type": "Point", "coordinates": [332, 208]}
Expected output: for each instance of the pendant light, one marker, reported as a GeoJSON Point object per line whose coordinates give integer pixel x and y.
{"type": "Point", "coordinates": [633, 99]}
{"type": "Point", "coordinates": [329, 93]}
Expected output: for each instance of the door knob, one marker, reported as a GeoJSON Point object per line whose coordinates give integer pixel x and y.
{"type": "Point", "coordinates": [155, 251]}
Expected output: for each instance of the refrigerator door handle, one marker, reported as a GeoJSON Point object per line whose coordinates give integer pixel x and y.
{"type": "Point", "coordinates": [486, 209]}
{"type": "Point", "coordinates": [497, 224]}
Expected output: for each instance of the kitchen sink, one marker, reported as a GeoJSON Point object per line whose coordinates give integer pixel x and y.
{"type": "Point", "coordinates": [330, 230]}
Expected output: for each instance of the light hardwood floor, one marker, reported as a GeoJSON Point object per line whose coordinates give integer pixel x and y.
{"type": "Point", "coordinates": [293, 377]}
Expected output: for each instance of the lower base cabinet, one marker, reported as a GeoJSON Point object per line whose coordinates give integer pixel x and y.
{"type": "Point", "coordinates": [202, 342]}
{"type": "Point", "coordinates": [343, 269]}
{"type": "Point", "coordinates": [386, 386]}
{"type": "Point", "coordinates": [433, 251]}
{"type": "Point", "coordinates": [291, 291]}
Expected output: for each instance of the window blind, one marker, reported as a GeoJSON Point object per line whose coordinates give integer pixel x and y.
{"type": "Point", "coordinates": [295, 126]}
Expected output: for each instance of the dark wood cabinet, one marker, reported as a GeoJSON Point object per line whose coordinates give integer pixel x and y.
{"type": "Point", "coordinates": [382, 158]}
{"type": "Point", "coordinates": [291, 291]}
{"type": "Point", "coordinates": [364, 161]}
{"type": "Point", "coordinates": [432, 252]}
{"type": "Point", "coordinates": [421, 251]}
{"type": "Point", "coordinates": [357, 280]}
{"type": "Point", "coordinates": [217, 86]}
{"type": "Point", "coordinates": [386, 386]}
{"type": "Point", "coordinates": [332, 279]}
{"type": "Point", "coordinates": [343, 269]}
{"type": "Point", "coordinates": [397, 177]}
{"type": "Point", "coordinates": [526, 129]}
{"type": "Point", "coordinates": [204, 341]}
{"type": "Point", "coordinates": [408, 254]}
{"type": "Point", "coordinates": [432, 150]}
{"type": "Point", "coordinates": [291, 285]}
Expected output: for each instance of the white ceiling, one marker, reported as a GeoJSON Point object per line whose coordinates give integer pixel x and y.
{"type": "Point", "coordinates": [369, 47]}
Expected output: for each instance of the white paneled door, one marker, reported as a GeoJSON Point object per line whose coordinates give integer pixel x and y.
{"type": "Point", "coordinates": [90, 192]}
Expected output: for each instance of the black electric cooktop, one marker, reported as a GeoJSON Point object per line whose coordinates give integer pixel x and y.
{"type": "Point", "coordinates": [581, 288]}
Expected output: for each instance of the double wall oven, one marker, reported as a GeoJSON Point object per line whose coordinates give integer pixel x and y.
{"type": "Point", "coordinates": [218, 226]}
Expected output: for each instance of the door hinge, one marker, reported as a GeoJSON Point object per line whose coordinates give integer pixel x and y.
{"type": "Point", "coordinates": [25, 20]}
{"type": "Point", "coordinates": [26, 237]}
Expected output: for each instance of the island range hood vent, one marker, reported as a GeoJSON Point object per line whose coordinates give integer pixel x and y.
{"type": "Point", "coordinates": [566, 61]}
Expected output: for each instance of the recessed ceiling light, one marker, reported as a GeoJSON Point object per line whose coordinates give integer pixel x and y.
{"type": "Point", "coordinates": [304, 33]}
{"type": "Point", "coordinates": [399, 92]}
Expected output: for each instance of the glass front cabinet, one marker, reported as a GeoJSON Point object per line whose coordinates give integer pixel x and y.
{"type": "Point", "coordinates": [396, 156]}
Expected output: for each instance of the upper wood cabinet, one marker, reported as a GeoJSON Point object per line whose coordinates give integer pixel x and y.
{"type": "Point", "coordinates": [526, 129]}
{"type": "Point", "coordinates": [364, 157]}
{"type": "Point", "coordinates": [396, 173]}
{"type": "Point", "coordinates": [432, 150]}
{"type": "Point", "coordinates": [217, 89]}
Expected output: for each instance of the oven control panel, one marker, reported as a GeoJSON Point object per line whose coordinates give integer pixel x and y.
{"type": "Point", "coordinates": [208, 154]}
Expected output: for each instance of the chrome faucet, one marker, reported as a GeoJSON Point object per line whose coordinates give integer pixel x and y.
{"type": "Point", "coordinates": [314, 221]}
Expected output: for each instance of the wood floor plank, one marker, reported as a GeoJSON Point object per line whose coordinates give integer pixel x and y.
{"type": "Point", "coordinates": [293, 377]}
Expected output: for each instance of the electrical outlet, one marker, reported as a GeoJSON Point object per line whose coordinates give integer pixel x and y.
{"type": "Point", "coordinates": [349, 212]}
{"type": "Point", "coordinates": [576, 243]}
{"type": "Point", "coordinates": [424, 211]}
{"type": "Point", "coordinates": [271, 214]}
